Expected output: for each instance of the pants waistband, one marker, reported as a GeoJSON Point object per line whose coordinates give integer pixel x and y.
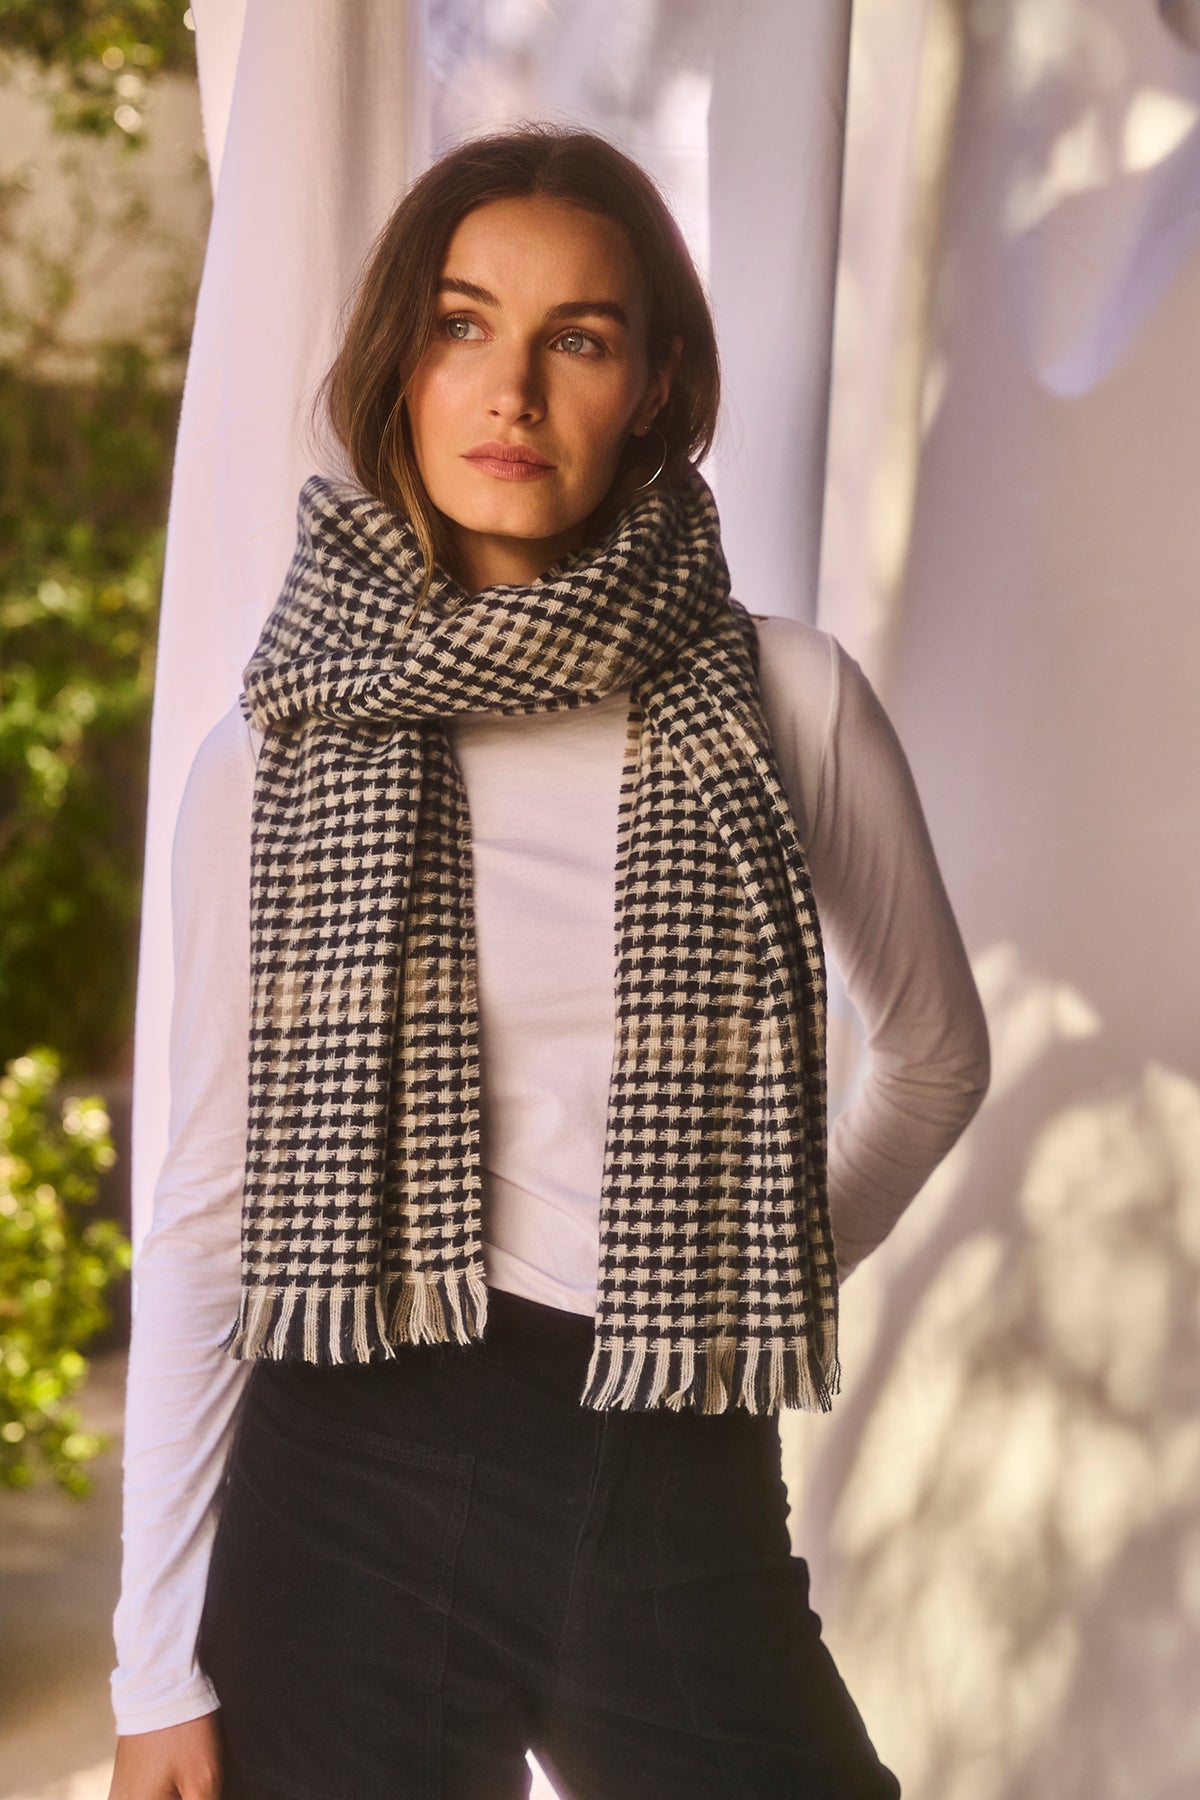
{"type": "Point", "coordinates": [514, 1318]}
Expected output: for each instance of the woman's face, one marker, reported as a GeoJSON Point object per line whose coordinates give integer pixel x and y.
{"type": "Point", "coordinates": [538, 346]}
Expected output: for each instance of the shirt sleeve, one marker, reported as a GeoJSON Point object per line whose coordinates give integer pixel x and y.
{"type": "Point", "coordinates": [183, 1390]}
{"type": "Point", "coordinates": [888, 925]}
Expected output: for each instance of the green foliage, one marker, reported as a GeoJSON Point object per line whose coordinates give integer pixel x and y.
{"type": "Point", "coordinates": [54, 1271]}
{"type": "Point", "coordinates": [95, 59]}
{"type": "Point", "coordinates": [83, 487]}
{"type": "Point", "coordinates": [87, 431]}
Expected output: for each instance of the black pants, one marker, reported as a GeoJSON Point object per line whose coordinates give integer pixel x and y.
{"type": "Point", "coordinates": [425, 1567]}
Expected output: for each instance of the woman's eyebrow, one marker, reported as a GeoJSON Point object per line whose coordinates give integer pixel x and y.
{"type": "Point", "coordinates": [566, 309]}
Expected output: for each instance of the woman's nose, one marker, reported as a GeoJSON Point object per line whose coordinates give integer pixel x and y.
{"type": "Point", "coordinates": [515, 386]}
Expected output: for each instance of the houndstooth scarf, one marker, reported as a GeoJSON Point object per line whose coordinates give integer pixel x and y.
{"type": "Point", "coordinates": [362, 1200]}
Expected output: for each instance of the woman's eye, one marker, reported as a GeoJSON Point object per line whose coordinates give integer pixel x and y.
{"type": "Point", "coordinates": [459, 328]}
{"type": "Point", "coordinates": [581, 339]}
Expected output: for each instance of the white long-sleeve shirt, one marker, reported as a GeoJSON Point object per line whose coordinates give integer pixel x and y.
{"type": "Point", "coordinates": [542, 794]}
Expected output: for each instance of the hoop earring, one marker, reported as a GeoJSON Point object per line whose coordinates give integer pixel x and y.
{"type": "Point", "coordinates": [662, 462]}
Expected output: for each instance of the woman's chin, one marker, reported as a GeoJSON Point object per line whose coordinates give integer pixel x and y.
{"type": "Point", "coordinates": [528, 524]}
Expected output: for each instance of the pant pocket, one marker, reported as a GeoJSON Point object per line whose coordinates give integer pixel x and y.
{"type": "Point", "coordinates": [329, 1591]}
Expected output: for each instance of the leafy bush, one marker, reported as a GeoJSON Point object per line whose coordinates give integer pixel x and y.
{"type": "Point", "coordinates": [87, 433]}
{"type": "Point", "coordinates": [55, 1269]}
{"type": "Point", "coordinates": [82, 496]}
{"type": "Point", "coordinates": [97, 58]}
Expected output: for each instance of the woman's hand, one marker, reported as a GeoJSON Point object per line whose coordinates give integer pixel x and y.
{"type": "Point", "coordinates": [180, 1762]}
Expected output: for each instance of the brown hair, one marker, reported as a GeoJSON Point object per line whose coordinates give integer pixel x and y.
{"type": "Point", "coordinates": [390, 311]}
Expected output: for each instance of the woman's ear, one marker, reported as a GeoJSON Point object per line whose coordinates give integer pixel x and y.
{"type": "Point", "coordinates": [661, 378]}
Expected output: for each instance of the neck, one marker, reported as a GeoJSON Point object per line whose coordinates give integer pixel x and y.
{"type": "Point", "coordinates": [483, 561]}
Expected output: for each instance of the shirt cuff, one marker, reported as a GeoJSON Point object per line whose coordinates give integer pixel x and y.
{"type": "Point", "coordinates": [191, 1701]}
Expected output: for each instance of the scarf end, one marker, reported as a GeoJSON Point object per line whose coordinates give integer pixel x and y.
{"type": "Point", "coordinates": [359, 1324]}
{"type": "Point", "coordinates": [715, 1375]}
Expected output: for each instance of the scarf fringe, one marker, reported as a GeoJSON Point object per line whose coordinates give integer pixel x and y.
{"type": "Point", "coordinates": [716, 1375]}
{"type": "Point", "coordinates": [357, 1324]}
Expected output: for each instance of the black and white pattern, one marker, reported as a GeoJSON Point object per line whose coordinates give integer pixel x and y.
{"type": "Point", "coordinates": [362, 1207]}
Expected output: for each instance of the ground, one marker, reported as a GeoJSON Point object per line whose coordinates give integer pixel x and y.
{"type": "Point", "coordinates": [60, 1565]}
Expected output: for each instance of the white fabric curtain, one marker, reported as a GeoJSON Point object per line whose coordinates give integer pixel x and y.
{"type": "Point", "coordinates": [1004, 1508]}
{"type": "Point", "coordinates": [960, 432]}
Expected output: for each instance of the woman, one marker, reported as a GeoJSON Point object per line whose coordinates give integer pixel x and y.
{"type": "Point", "coordinates": [541, 835]}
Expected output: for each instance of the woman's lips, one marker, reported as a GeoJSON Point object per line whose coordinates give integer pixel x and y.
{"type": "Point", "coordinates": [508, 463]}
{"type": "Point", "coordinates": [509, 470]}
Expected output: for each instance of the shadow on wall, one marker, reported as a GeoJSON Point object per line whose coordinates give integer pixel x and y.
{"type": "Point", "coordinates": [1009, 1500]}
{"type": "Point", "coordinates": [1004, 1510]}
